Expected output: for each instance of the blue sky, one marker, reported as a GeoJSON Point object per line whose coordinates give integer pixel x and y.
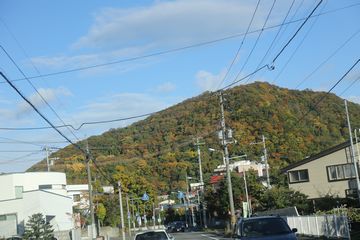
{"type": "Point", "coordinates": [45, 37]}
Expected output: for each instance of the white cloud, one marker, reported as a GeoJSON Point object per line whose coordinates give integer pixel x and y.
{"type": "Point", "coordinates": [355, 99]}
{"type": "Point", "coordinates": [47, 93]}
{"type": "Point", "coordinates": [162, 25]}
{"type": "Point", "coordinates": [207, 81]}
{"type": "Point", "coordinates": [165, 87]}
{"type": "Point", "coordinates": [171, 23]}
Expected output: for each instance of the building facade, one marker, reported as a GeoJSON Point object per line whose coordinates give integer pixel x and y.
{"type": "Point", "coordinates": [25, 194]}
{"type": "Point", "coordinates": [330, 172]}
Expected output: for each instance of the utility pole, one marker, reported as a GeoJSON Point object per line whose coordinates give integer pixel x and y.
{"type": "Point", "coordinates": [128, 214]}
{"type": "Point", "coordinates": [246, 193]}
{"type": "Point", "coordinates": [228, 174]}
{"type": "Point", "coordinates": [47, 158]}
{"type": "Point", "coordinates": [189, 202]}
{"type": "Point", "coordinates": [357, 145]}
{"type": "Point", "coordinates": [266, 162]}
{"type": "Point", "coordinates": [121, 211]}
{"type": "Point", "coordinates": [201, 182]}
{"type": "Point", "coordinates": [91, 205]}
{"type": "Point", "coordinates": [154, 218]}
{"type": "Point", "coordinates": [352, 151]}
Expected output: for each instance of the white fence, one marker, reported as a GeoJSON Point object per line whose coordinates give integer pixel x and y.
{"type": "Point", "coordinates": [331, 226]}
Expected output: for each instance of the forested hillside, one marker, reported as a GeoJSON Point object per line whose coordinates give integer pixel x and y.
{"type": "Point", "coordinates": [156, 152]}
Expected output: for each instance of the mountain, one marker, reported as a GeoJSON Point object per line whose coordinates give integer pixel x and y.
{"type": "Point", "coordinates": [161, 147]}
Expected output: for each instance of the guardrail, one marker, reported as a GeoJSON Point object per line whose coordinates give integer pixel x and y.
{"type": "Point", "coordinates": [331, 226]}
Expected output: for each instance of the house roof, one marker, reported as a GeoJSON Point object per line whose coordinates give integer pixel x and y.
{"type": "Point", "coordinates": [316, 156]}
{"type": "Point", "coordinates": [216, 178]}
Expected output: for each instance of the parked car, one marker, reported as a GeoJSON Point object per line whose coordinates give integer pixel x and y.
{"type": "Point", "coordinates": [263, 228]}
{"type": "Point", "coordinates": [177, 226]}
{"type": "Point", "coordinates": [154, 235]}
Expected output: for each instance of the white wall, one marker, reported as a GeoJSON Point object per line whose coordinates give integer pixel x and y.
{"type": "Point", "coordinates": [30, 181]}
{"type": "Point", "coordinates": [41, 202]}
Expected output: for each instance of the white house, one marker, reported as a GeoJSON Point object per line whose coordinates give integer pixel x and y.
{"type": "Point", "coordinates": [24, 194]}
{"type": "Point", "coordinates": [80, 194]}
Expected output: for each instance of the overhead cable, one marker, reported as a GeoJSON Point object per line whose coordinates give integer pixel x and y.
{"type": "Point", "coordinates": [32, 85]}
{"type": "Point", "coordinates": [257, 40]}
{"type": "Point", "coordinates": [178, 49]}
{"type": "Point", "coordinates": [38, 112]}
{"type": "Point", "coordinates": [272, 65]}
{"type": "Point", "coordinates": [81, 125]}
{"type": "Point", "coordinates": [325, 95]}
{"type": "Point", "coordinates": [241, 44]}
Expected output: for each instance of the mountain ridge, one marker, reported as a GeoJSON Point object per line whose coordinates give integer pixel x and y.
{"type": "Point", "coordinates": [166, 138]}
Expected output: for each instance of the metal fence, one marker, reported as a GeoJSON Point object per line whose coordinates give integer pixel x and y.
{"type": "Point", "coordinates": [331, 226]}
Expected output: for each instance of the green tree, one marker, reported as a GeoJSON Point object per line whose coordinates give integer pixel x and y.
{"type": "Point", "coordinates": [101, 212]}
{"type": "Point", "coordinates": [282, 197]}
{"type": "Point", "coordinates": [38, 228]}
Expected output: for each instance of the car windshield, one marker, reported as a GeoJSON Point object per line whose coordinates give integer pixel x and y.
{"type": "Point", "coordinates": [152, 236]}
{"type": "Point", "coordinates": [264, 227]}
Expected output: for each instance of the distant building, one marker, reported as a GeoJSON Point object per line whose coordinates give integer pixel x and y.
{"type": "Point", "coordinates": [239, 167]}
{"type": "Point", "coordinates": [330, 172]}
{"type": "Point", "coordinates": [24, 194]}
{"type": "Point", "coordinates": [80, 194]}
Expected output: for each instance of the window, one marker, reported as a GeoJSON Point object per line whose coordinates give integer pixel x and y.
{"type": "Point", "coordinates": [19, 191]}
{"type": "Point", "coordinates": [299, 176]}
{"type": "Point", "coordinates": [8, 217]}
{"type": "Point", "coordinates": [45, 186]}
{"type": "Point", "coordinates": [341, 172]}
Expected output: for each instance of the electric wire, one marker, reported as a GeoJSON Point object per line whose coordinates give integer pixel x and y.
{"type": "Point", "coordinates": [325, 95]}
{"type": "Point", "coordinates": [241, 44]}
{"type": "Point", "coordinates": [297, 31]}
{"type": "Point", "coordinates": [32, 85]}
{"type": "Point", "coordinates": [20, 158]}
{"type": "Point", "coordinates": [350, 85]}
{"type": "Point", "coordinates": [180, 48]}
{"type": "Point", "coordinates": [257, 40]}
{"type": "Point", "coordinates": [272, 66]}
{"type": "Point", "coordinates": [81, 125]}
{"type": "Point", "coordinates": [274, 39]}
{"type": "Point", "coordinates": [38, 112]}
{"type": "Point", "coordinates": [25, 54]}
{"type": "Point", "coordinates": [296, 49]}
{"type": "Point", "coordinates": [328, 58]}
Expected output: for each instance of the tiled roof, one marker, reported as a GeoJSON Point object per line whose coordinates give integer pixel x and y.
{"type": "Point", "coordinates": [216, 178]}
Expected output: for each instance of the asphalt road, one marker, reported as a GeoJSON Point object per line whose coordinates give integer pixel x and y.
{"type": "Point", "coordinates": [196, 236]}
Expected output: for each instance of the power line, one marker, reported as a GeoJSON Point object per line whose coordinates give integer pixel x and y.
{"type": "Point", "coordinates": [272, 67]}
{"type": "Point", "coordinates": [180, 48]}
{"type": "Point", "coordinates": [38, 112]}
{"type": "Point", "coordinates": [81, 125]}
{"type": "Point", "coordinates": [241, 44]}
{"type": "Point", "coordinates": [295, 51]}
{"type": "Point", "coordinates": [328, 58]}
{"type": "Point", "coordinates": [274, 39]}
{"type": "Point", "coordinates": [19, 158]}
{"type": "Point", "coordinates": [32, 85]}
{"type": "Point", "coordinates": [297, 31]}
{"type": "Point", "coordinates": [351, 84]}
{"type": "Point", "coordinates": [24, 52]}
{"type": "Point", "coordinates": [325, 95]}
{"type": "Point", "coordinates": [257, 40]}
